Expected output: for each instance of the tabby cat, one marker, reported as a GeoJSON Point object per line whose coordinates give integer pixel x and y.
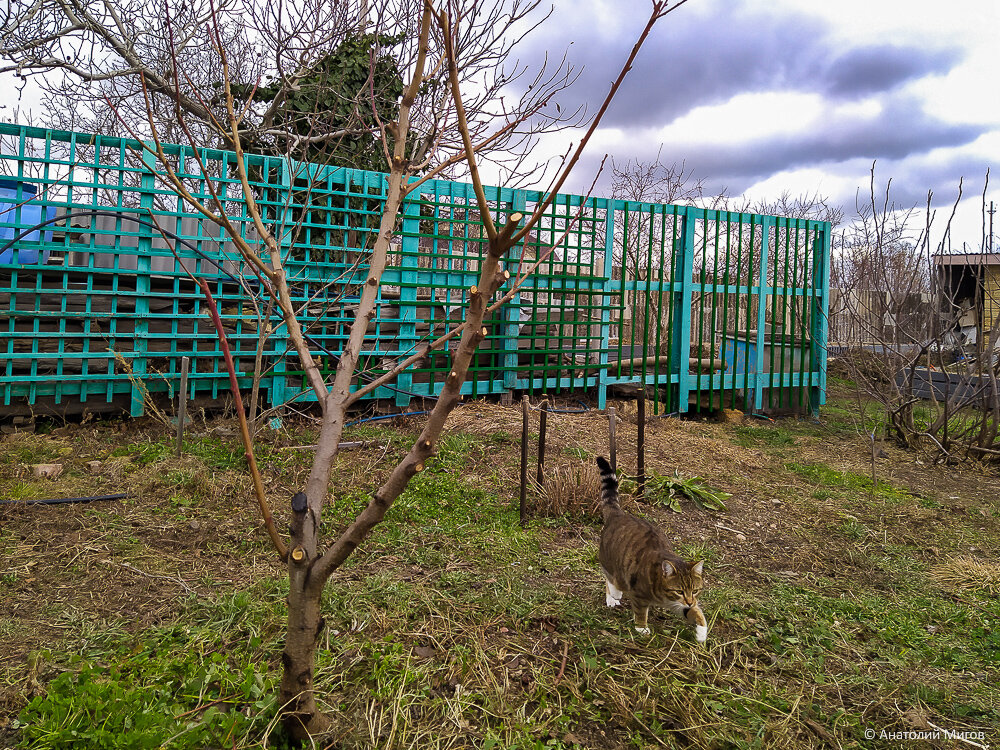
{"type": "Point", "coordinates": [637, 560]}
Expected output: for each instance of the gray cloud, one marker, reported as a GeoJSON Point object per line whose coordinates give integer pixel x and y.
{"type": "Point", "coordinates": [901, 129]}
{"type": "Point", "coordinates": [706, 54]}
{"type": "Point", "coordinates": [868, 70]}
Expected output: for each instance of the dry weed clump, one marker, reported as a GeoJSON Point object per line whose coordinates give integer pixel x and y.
{"type": "Point", "coordinates": [573, 490]}
{"type": "Point", "coordinates": [966, 573]}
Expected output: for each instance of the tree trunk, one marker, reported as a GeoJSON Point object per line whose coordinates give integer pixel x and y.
{"type": "Point", "coordinates": [300, 714]}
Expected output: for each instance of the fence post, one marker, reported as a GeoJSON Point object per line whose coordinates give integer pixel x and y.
{"type": "Point", "coordinates": [182, 400]}
{"type": "Point", "coordinates": [820, 317]}
{"type": "Point", "coordinates": [764, 290]}
{"type": "Point", "coordinates": [682, 317]}
{"type": "Point", "coordinates": [542, 420]}
{"type": "Point", "coordinates": [609, 271]}
{"type": "Point", "coordinates": [143, 270]}
{"type": "Point", "coordinates": [511, 314]}
{"type": "Point", "coordinates": [409, 251]}
{"type": "Point", "coordinates": [523, 500]}
{"type": "Point", "coordinates": [613, 438]}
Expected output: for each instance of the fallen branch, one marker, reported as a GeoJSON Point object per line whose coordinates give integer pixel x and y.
{"type": "Point", "coordinates": [173, 579]}
{"type": "Point", "coordinates": [342, 446]}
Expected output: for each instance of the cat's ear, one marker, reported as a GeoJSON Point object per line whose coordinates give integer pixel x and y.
{"type": "Point", "coordinates": [668, 569]}
{"type": "Point", "coordinates": [697, 567]}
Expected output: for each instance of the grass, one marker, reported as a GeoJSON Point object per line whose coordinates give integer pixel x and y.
{"type": "Point", "coordinates": [750, 436]}
{"type": "Point", "coordinates": [170, 687]}
{"type": "Point", "coordinates": [831, 479]}
{"type": "Point", "coordinates": [454, 627]}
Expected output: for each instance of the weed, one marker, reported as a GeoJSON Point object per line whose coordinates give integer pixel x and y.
{"type": "Point", "coordinates": [668, 491]}
{"type": "Point", "coordinates": [33, 449]}
{"type": "Point", "coordinates": [698, 551]}
{"type": "Point", "coordinates": [219, 454]}
{"type": "Point", "coordinates": [24, 491]}
{"type": "Point", "coordinates": [144, 453]}
{"type": "Point", "coordinates": [853, 529]}
{"type": "Point", "coordinates": [573, 490]}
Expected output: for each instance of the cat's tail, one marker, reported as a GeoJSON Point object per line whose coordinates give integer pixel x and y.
{"type": "Point", "coordinates": [609, 488]}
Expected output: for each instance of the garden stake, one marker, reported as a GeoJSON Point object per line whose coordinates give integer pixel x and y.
{"type": "Point", "coordinates": [641, 443]}
{"type": "Point", "coordinates": [541, 438]}
{"type": "Point", "coordinates": [524, 458]}
{"type": "Point", "coordinates": [612, 439]}
{"type": "Point", "coordinates": [182, 404]}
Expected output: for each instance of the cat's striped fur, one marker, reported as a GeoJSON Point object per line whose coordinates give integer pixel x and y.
{"type": "Point", "coordinates": [637, 561]}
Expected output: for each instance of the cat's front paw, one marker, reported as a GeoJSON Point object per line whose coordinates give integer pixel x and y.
{"type": "Point", "coordinates": [700, 633]}
{"type": "Point", "coordinates": [611, 601]}
{"type": "Point", "coordinates": [642, 631]}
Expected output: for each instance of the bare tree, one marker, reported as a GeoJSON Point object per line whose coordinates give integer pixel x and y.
{"type": "Point", "coordinates": [658, 182]}
{"type": "Point", "coordinates": [640, 235]}
{"type": "Point", "coordinates": [802, 206]}
{"type": "Point", "coordinates": [445, 45]}
{"type": "Point", "coordinates": [906, 298]}
{"type": "Point", "coordinates": [286, 59]}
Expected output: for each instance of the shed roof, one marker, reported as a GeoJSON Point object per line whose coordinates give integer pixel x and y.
{"type": "Point", "coordinates": [966, 259]}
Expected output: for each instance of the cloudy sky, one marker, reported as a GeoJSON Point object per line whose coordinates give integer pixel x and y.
{"type": "Point", "coordinates": [767, 96]}
{"type": "Point", "coordinates": [762, 97]}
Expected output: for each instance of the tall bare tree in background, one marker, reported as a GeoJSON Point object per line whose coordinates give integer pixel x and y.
{"type": "Point", "coordinates": [300, 74]}
{"type": "Point", "coordinates": [232, 73]}
{"type": "Point", "coordinates": [654, 182]}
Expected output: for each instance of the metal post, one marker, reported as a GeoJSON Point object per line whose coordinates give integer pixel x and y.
{"type": "Point", "coordinates": [641, 447]}
{"type": "Point", "coordinates": [524, 458]}
{"type": "Point", "coordinates": [541, 438]}
{"type": "Point", "coordinates": [612, 438]}
{"type": "Point", "coordinates": [182, 403]}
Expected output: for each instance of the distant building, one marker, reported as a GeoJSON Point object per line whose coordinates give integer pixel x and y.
{"type": "Point", "coordinates": [970, 294]}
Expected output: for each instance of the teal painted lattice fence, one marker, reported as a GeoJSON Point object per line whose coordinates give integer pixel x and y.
{"type": "Point", "coordinates": [717, 308]}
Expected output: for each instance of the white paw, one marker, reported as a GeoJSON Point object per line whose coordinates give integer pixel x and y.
{"type": "Point", "coordinates": [700, 633]}
{"type": "Point", "coordinates": [642, 631]}
{"type": "Point", "coordinates": [611, 601]}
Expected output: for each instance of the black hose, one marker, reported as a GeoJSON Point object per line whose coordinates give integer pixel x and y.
{"type": "Point", "coordinates": [61, 500]}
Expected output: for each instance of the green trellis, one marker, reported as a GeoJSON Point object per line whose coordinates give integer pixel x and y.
{"type": "Point", "coordinates": [719, 309]}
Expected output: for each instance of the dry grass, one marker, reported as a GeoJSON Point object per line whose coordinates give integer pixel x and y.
{"type": "Point", "coordinates": [452, 627]}
{"type": "Point", "coordinates": [569, 490]}
{"type": "Point", "coordinates": [968, 574]}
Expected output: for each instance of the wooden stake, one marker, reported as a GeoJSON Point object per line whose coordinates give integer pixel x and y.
{"type": "Point", "coordinates": [541, 438]}
{"type": "Point", "coordinates": [612, 438]}
{"type": "Point", "coordinates": [641, 447]}
{"type": "Point", "coordinates": [182, 403]}
{"type": "Point", "coordinates": [524, 459]}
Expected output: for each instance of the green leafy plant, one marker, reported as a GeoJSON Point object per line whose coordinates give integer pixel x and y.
{"type": "Point", "coordinates": [669, 491]}
{"type": "Point", "coordinates": [153, 703]}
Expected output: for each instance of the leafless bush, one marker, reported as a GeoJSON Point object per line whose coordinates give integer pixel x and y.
{"type": "Point", "coordinates": [919, 338]}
